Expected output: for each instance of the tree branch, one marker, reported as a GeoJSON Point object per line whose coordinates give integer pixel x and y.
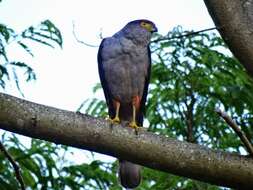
{"type": "Point", "coordinates": [236, 18]}
{"type": "Point", "coordinates": [189, 119]}
{"type": "Point", "coordinates": [80, 41]}
{"type": "Point", "coordinates": [183, 35]}
{"type": "Point", "coordinates": [237, 130]}
{"type": "Point", "coordinates": [148, 149]}
{"type": "Point", "coordinates": [14, 165]}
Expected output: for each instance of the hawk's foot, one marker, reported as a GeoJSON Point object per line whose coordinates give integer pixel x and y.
{"type": "Point", "coordinates": [134, 126]}
{"type": "Point", "coordinates": [115, 120]}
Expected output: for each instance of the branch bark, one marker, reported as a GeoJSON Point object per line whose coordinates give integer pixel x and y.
{"type": "Point", "coordinates": [151, 150]}
{"type": "Point", "coordinates": [234, 20]}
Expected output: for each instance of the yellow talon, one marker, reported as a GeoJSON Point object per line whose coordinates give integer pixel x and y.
{"type": "Point", "coordinates": [115, 120]}
{"type": "Point", "coordinates": [134, 125]}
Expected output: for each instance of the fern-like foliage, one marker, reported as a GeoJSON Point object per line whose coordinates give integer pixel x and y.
{"type": "Point", "coordinates": [45, 33]}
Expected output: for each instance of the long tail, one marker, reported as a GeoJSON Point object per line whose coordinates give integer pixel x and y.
{"type": "Point", "coordinates": [129, 174]}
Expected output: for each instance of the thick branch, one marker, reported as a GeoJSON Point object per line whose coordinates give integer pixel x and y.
{"type": "Point", "coordinates": [154, 151]}
{"type": "Point", "coordinates": [234, 21]}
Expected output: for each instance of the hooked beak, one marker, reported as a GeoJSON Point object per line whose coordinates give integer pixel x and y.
{"type": "Point", "coordinates": [154, 29]}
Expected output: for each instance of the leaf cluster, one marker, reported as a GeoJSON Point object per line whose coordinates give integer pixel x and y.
{"type": "Point", "coordinates": [45, 166]}
{"type": "Point", "coordinates": [46, 33]}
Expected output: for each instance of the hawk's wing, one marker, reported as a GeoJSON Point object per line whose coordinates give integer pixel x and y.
{"type": "Point", "coordinates": [145, 91]}
{"type": "Point", "coordinates": [103, 81]}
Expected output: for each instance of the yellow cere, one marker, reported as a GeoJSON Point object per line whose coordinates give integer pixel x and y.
{"type": "Point", "coordinates": [147, 26]}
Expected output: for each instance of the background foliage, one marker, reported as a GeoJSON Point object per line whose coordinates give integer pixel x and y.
{"type": "Point", "coordinates": [191, 76]}
{"type": "Point", "coordinates": [46, 33]}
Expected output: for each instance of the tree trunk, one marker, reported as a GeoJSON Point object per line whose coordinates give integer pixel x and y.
{"type": "Point", "coordinates": [234, 20]}
{"type": "Point", "coordinates": [148, 149]}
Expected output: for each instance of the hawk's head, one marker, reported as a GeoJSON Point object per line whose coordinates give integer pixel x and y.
{"type": "Point", "coordinates": [139, 31]}
{"type": "Point", "coordinates": [147, 25]}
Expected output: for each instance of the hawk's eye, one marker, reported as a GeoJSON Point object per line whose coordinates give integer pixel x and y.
{"type": "Point", "coordinates": [144, 24]}
{"type": "Point", "coordinates": [147, 26]}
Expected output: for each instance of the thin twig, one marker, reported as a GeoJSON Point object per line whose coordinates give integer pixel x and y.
{"type": "Point", "coordinates": [237, 130]}
{"type": "Point", "coordinates": [184, 35]}
{"type": "Point", "coordinates": [101, 34]}
{"type": "Point", "coordinates": [14, 165]}
{"type": "Point", "coordinates": [80, 41]}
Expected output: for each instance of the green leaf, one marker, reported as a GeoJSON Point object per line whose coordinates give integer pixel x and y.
{"type": "Point", "coordinates": [26, 48]}
{"type": "Point", "coordinates": [6, 32]}
{"type": "Point", "coordinates": [45, 33]}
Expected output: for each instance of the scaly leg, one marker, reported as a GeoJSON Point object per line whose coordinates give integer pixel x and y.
{"type": "Point", "coordinates": [136, 105]}
{"type": "Point", "coordinates": [116, 119]}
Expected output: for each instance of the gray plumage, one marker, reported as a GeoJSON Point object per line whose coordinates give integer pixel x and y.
{"type": "Point", "coordinates": [124, 68]}
{"type": "Point", "coordinates": [125, 63]}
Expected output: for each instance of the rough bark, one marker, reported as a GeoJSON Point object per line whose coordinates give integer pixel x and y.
{"type": "Point", "coordinates": [151, 150]}
{"type": "Point", "coordinates": [234, 20]}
